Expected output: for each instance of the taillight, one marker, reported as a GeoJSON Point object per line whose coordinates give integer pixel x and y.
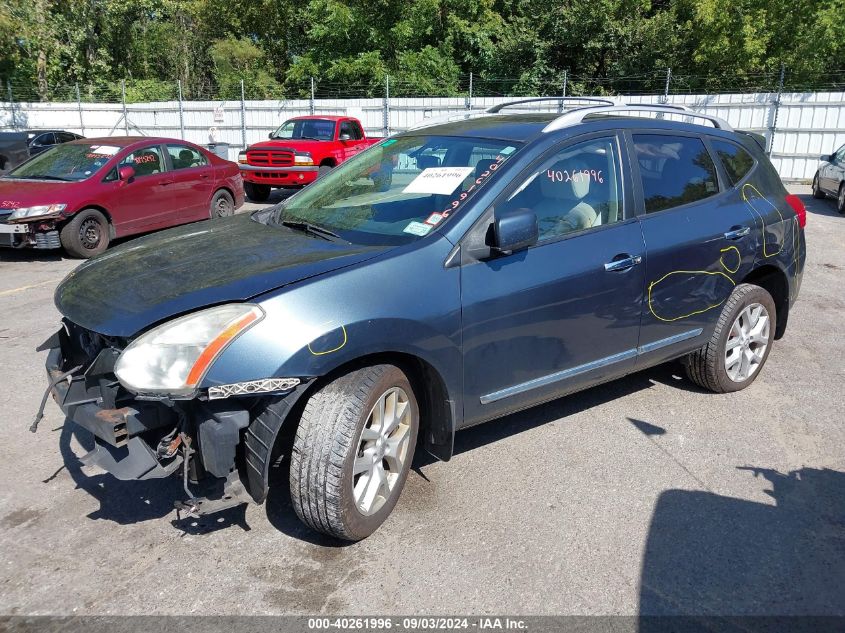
{"type": "Point", "coordinates": [795, 202]}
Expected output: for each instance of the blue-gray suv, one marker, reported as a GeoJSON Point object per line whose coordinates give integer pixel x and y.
{"type": "Point", "coordinates": [449, 275]}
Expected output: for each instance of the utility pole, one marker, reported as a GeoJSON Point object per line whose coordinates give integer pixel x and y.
{"type": "Point", "coordinates": [562, 93]}
{"type": "Point", "coordinates": [776, 106]}
{"type": "Point", "coordinates": [79, 107]}
{"type": "Point", "coordinates": [386, 108]}
{"type": "Point", "coordinates": [468, 102]}
{"type": "Point", "coordinates": [123, 99]}
{"type": "Point", "coordinates": [666, 89]}
{"type": "Point", "coordinates": [243, 116]}
{"type": "Point", "coordinates": [311, 104]}
{"type": "Point", "coordinates": [181, 110]}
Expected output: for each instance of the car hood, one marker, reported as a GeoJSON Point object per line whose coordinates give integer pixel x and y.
{"type": "Point", "coordinates": [16, 193]}
{"type": "Point", "coordinates": [153, 278]}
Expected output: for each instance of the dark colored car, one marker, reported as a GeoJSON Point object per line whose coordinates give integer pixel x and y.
{"type": "Point", "coordinates": [830, 178]}
{"type": "Point", "coordinates": [42, 140]}
{"type": "Point", "coordinates": [448, 276]}
{"type": "Point", "coordinates": [13, 150]}
{"type": "Point", "coordinates": [81, 195]}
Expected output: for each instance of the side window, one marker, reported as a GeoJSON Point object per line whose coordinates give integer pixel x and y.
{"type": "Point", "coordinates": [675, 170]}
{"type": "Point", "coordinates": [575, 189]}
{"type": "Point", "coordinates": [146, 161]}
{"type": "Point", "coordinates": [44, 139]}
{"type": "Point", "coordinates": [346, 129]}
{"type": "Point", "coordinates": [184, 157]}
{"type": "Point", "coordinates": [65, 137]}
{"type": "Point", "coordinates": [357, 132]}
{"type": "Point", "coordinates": [840, 155]}
{"type": "Point", "coordinates": [736, 161]}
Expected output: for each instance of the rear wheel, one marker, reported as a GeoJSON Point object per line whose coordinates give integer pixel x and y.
{"type": "Point", "coordinates": [222, 204]}
{"type": "Point", "coordinates": [86, 235]}
{"type": "Point", "coordinates": [818, 194]}
{"type": "Point", "coordinates": [740, 344]}
{"type": "Point", "coordinates": [257, 193]}
{"type": "Point", "coordinates": [353, 450]}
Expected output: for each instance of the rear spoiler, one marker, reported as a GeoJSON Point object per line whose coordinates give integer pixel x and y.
{"type": "Point", "coordinates": [758, 138]}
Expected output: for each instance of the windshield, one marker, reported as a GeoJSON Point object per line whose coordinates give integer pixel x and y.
{"type": "Point", "coordinates": [314, 129]}
{"type": "Point", "coordinates": [69, 162]}
{"type": "Point", "coordinates": [399, 190]}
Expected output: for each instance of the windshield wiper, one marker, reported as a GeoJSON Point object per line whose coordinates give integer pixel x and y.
{"type": "Point", "coordinates": [313, 229]}
{"type": "Point", "coordinates": [46, 177]}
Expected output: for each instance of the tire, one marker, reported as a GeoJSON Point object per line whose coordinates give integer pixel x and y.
{"type": "Point", "coordinates": [706, 366]}
{"type": "Point", "coordinates": [86, 234]}
{"type": "Point", "coordinates": [330, 442]}
{"type": "Point", "coordinates": [818, 194]}
{"type": "Point", "coordinates": [840, 199]}
{"type": "Point", "coordinates": [257, 193]}
{"type": "Point", "coordinates": [323, 170]}
{"type": "Point", "coordinates": [222, 204]}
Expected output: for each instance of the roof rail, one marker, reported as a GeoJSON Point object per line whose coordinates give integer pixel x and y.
{"type": "Point", "coordinates": [573, 117]}
{"type": "Point", "coordinates": [500, 106]}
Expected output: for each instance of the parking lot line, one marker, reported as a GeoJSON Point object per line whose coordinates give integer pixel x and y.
{"type": "Point", "coordinates": [29, 287]}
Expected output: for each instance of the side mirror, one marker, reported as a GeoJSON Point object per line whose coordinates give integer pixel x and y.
{"type": "Point", "coordinates": [126, 173]}
{"type": "Point", "coordinates": [515, 231]}
{"type": "Point", "coordinates": [270, 135]}
{"type": "Point", "coordinates": [345, 137]}
{"type": "Point", "coordinates": [826, 158]}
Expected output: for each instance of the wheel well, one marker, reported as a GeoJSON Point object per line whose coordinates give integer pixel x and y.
{"type": "Point", "coordinates": [224, 188]}
{"type": "Point", "coordinates": [436, 417]}
{"type": "Point", "coordinates": [3, 160]}
{"type": "Point", "coordinates": [331, 162]}
{"type": "Point", "coordinates": [774, 281]}
{"type": "Point", "coordinates": [101, 210]}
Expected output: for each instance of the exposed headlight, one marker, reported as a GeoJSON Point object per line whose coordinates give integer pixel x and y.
{"type": "Point", "coordinates": [40, 212]}
{"type": "Point", "coordinates": [242, 158]}
{"type": "Point", "coordinates": [172, 358]}
{"type": "Point", "coordinates": [303, 159]}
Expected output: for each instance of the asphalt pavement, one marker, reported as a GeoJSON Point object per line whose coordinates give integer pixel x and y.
{"type": "Point", "coordinates": [642, 496]}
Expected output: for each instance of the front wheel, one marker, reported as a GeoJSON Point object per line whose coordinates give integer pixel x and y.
{"type": "Point", "coordinates": [257, 193]}
{"type": "Point", "coordinates": [818, 194]}
{"type": "Point", "coordinates": [353, 450]}
{"type": "Point", "coordinates": [840, 199]}
{"type": "Point", "coordinates": [740, 344]}
{"type": "Point", "coordinates": [323, 170]}
{"type": "Point", "coordinates": [86, 234]}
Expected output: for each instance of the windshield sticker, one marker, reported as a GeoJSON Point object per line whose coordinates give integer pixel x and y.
{"type": "Point", "coordinates": [104, 150]}
{"type": "Point", "coordinates": [475, 183]}
{"type": "Point", "coordinates": [417, 228]}
{"type": "Point", "coordinates": [434, 219]}
{"type": "Point", "coordinates": [438, 180]}
{"type": "Point", "coordinates": [508, 150]}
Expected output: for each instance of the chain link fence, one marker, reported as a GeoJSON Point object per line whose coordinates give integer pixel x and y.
{"type": "Point", "coordinates": [799, 120]}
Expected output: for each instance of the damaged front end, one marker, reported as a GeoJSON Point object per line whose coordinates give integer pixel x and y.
{"type": "Point", "coordinates": [138, 437]}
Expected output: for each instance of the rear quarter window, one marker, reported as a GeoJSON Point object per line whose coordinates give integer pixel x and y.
{"type": "Point", "coordinates": [675, 170]}
{"type": "Point", "coordinates": [736, 161]}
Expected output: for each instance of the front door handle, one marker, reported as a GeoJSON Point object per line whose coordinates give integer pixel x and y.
{"type": "Point", "coordinates": [739, 233]}
{"type": "Point", "coordinates": [623, 262]}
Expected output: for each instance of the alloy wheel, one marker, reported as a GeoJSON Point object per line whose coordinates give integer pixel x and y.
{"type": "Point", "coordinates": [382, 451]}
{"type": "Point", "coordinates": [747, 342]}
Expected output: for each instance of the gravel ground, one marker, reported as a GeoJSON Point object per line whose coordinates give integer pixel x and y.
{"type": "Point", "coordinates": [643, 496]}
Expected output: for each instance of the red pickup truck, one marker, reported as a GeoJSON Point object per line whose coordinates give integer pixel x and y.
{"type": "Point", "coordinates": [299, 151]}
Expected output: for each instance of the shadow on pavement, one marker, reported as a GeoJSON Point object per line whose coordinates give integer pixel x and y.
{"type": "Point", "coordinates": [820, 207]}
{"type": "Point", "coordinates": [714, 556]}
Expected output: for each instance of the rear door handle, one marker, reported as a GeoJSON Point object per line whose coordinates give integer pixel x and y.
{"type": "Point", "coordinates": [735, 234]}
{"type": "Point", "coordinates": [626, 262]}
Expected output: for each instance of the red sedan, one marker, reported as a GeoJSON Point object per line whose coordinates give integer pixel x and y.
{"type": "Point", "coordinates": [81, 195]}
